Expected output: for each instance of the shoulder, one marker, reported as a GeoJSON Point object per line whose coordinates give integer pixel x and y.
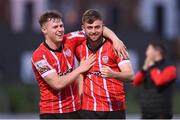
{"type": "Point", "coordinates": [82, 45]}
{"type": "Point", "coordinates": [39, 52]}
{"type": "Point", "coordinates": [75, 34]}
{"type": "Point", "coordinates": [108, 46]}
{"type": "Point", "coordinates": [108, 42]}
{"type": "Point", "coordinates": [167, 64]}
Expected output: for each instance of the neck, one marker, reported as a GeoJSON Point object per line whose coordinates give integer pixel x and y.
{"type": "Point", "coordinates": [54, 46]}
{"type": "Point", "coordinates": [95, 44]}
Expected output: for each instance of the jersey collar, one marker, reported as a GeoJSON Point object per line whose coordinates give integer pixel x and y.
{"type": "Point", "coordinates": [94, 49]}
{"type": "Point", "coordinates": [57, 50]}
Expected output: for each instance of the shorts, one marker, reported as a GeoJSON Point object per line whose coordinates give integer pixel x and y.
{"type": "Point", "coordinates": [85, 114]}
{"type": "Point", "coordinates": [70, 115]}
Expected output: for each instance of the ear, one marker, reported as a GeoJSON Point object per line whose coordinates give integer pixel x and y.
{"type": "Point", "coordinates": [103, 26]}
{"type": "Point", "coordinates": [82, 26]}
{"type": "Point", "coordinates": [43, 29]}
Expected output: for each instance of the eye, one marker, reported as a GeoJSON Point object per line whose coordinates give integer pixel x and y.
{"type": "Point", "coordinates": [89, 27]}
{"type": "Point", "coordinates": [55, 26]}
{"type": "Point", "coordinates": [97, 27]}
{"type": "Point", "coordinates": [61, 26]}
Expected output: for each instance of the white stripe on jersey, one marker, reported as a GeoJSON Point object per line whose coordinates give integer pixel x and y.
{"type": "Point", "coordinates": [59, 70]}
{"type": "Point", "coordinates": [48, 72]}
{"type": "Point", "coordinates": [51, 96]}
{"type": "Point", "coordinates": [73, 104]}
{"type": "Point", "coordinates": [47, 62]}
{"type": "Point", "coordinates": [123, 62]}
{"type": "Point", "coordinates": [60, 102]}
{"type": "Point", "coordinates": [92, 94]}
{"type": "Point", "coordinates": [104, 81]}
{"type": "Point", "coordinates": [91, 84]}
{"type": "Point", "coordinates": [75, 34]}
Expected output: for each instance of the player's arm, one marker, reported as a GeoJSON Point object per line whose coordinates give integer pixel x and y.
{"type": "Point", "coordinates": [126, 72]}
{"type": "Point", "coordinates": [59, 82]}
{"type": "Point", "coordinates": [163, 77]}
{"type": "Point", "coordinates": [117, 43]}
{"type": "Point", "coordinates": [139, 78]}
{"type": "Point", "coordinates": [76, 37]}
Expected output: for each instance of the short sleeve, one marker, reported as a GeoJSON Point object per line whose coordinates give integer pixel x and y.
{"type": "Point", "coordinates": [41, 65]}
{"type": "Point", "coordinates": [79, 52]}
{"type": "Point", "coordinates": [121, 61]}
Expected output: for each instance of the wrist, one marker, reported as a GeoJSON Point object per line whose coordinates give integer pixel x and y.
{"type": "Point", "coordinates": [115, 74]}
{"type": "Point", "coordinates": [79, 70]}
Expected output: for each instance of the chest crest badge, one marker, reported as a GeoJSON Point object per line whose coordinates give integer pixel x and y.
{"type": "Point", "coordinates": [105, 59]}
{"type": "Point", "coordinates": [68, 52]}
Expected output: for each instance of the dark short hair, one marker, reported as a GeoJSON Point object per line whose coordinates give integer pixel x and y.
{"type": "Point", "coordinates": [48, 15]}
{"type": "Point", "coordinates": [160, 47]}
{"type": "Point", "coordinates": [91, 15]}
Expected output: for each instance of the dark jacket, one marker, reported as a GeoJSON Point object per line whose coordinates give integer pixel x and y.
{"type": "Point", "coordinates": [157, 89]}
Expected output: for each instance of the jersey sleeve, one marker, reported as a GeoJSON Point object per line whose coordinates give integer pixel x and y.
{"type": "Point", "coordinates": [163, 77]}
{"type": "Point", "coordinates": [121, 61]}
{"type": "Point", "coordinates": [76, 37]}
{"type": "Point", "coordinates": [79, 52]}
{"type": "Point", "coordinates": [139, 78]}
{"type": "Point", "coordinates": [41, 65]}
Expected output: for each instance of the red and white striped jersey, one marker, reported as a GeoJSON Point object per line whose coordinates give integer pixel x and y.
{"type": "Point", "coordinates": [102, 94]}
{"type": "Point", "coordinates": [46, 61]}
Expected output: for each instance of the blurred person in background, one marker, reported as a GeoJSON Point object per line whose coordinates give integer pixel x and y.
{"type": "Point", "coordinates": [103, 95]}
{"type": "Point", "coordinates": [53, 65]}
{"type": "Point", "coordinates": [157, 78]}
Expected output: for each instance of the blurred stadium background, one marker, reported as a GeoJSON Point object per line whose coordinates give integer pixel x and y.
{"type": "Point", "coordinates": [136, 22]}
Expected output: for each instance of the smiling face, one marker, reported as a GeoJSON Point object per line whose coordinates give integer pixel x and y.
{"type": "Point", "coordinates": [53, 30]}
{"type": "Point", "coordinates": [94, 30]}
{"type": "Point", "coordinates": [92, 24]}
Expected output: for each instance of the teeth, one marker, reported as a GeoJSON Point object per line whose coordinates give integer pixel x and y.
{"type": "Point", "coordinates": [59, 34]}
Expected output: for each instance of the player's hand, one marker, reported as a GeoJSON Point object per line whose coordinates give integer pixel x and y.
{"type": "Point", "coordinates": [149, 61]}
{"type": "Point", "coordinates": [106, 72]}
{"type": "Point", "coordinates": [87, 63]}
{"type": "Point", "coordinates": [121, 50]}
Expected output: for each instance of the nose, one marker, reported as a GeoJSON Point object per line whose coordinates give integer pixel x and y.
{"type": "Point", "coordinates": [60, 28]}
{"type": "Point", "coordinates": [93, 30]}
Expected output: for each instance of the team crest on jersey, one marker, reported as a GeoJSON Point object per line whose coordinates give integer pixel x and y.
{"type": "Point", "coordinates": [105, 59]}
{"type": "Point", "coordinates": [68, 52]}
{"type": "Point", "coordinates": [42, 66]}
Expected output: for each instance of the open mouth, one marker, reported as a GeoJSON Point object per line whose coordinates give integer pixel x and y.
{"type": "Point", "coordinates": [60, 34]}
